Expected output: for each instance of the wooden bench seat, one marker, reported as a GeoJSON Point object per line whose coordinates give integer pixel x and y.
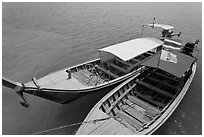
{"type": "Point", "coordinates": [149, 100]}
{"type": "Point", "coordinates": [161, 82]}
{"type": "Point", "coordinates": [116, 67]}
{"type": "Point", "coordinates": [149, 108]}
{"type": "Point", "coordinates": [139, 108]}
{"type": "Point", "coordinates": [128, 120]}
{"type": "Point", "coordinates": [165, 76]}
{"type": "Point", "coordinates": [136, 114]}
{"type": "Point", "coordinates": [106, 71]}
{"type": "Point", "coordinates": [155, 89]}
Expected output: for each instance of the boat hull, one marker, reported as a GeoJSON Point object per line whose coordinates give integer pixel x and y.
{"type": "Point", "coordinates": [65, 96]}
{"type": "Point", "coordinates": [90, 128]}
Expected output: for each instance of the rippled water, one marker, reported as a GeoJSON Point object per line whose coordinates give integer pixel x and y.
{"type": "Point", "coordinates": [39, 38]}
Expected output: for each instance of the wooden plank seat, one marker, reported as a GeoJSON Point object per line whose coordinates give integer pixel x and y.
{"type": "Point", "coordinates": [149, 109]}
{"type": "Point", "coordinates": [136, 114]}
{"type": "Point", "coordinates": [149, 100]}
{"type": "Point", "coordinates": [106, 71]}
{"type": "Point", "coordinates": [128, 120]}
{"type": "Point", "coordinates": [139, 108]}
{"type": "Point", "coordinates": [161, 82]}
{"type": "Point", "coordinates": [155, 89]}
{"type": "Point", "coordinates": [116, 67]}
{"type": "Point", "coordinates": [165, 76]}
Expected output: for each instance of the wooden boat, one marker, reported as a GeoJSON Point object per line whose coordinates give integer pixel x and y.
{"type": "Point", "coordinates": [141, 104]}
{"type": "Point", "coordinates": [116, 64]}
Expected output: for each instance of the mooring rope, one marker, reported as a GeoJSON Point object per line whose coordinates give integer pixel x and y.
{"type": "Point", "coordinates": [73, 124]}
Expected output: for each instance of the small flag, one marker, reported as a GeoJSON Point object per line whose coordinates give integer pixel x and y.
{"type": "Point", "coordinates": [172, 42]}
{"type": "Point", "coordinates": [168, 56]}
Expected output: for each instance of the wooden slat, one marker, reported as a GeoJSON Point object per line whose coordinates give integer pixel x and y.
{"type": "Point", "coordinates": [123, 62]}
{"type": "Point", "coordinates": [137, 60]}
{"type": "Point", "coordinates": [118, 99]}
{"type": "Point", "coordinates": [138, 63]}
{"type": "Point", "coordinates": [150, 100]}
{"type": "Point", "coordinates": [151, 52]}
{"type": "Point", "coordinates": [149, 109]}
{"type": "Point", "coordinates": [155, 89]}
{"type": "Point", "coordinates": [133, 66]}
{"type": "Point", "coordinates": [161, 82]}
{"type": "Point", "coordinates": [130, 120]}
{"type": "Point", "coordinates": [165, 76]}
{"type": "Point", "coordinates": [140, 109]}
{"type": "Point", "coordinates": [136, 114]}
{"type": "Point", "coordinates": [117, 67]}
{"type": "Point", "coordinates": [106, 71]}
{"type": "Point", "coordinates": [131, 104]}
{"type": "Point", "coordinates": [143, 56]}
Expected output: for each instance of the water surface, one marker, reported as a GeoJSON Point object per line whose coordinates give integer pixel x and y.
{"type": "Point", "coordinates": [39, 38]}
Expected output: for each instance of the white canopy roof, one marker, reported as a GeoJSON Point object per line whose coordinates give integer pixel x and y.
{"type": "Point", "coordinates": [163, 26]}
{"type": "Point", "coordinates": [130, 49]}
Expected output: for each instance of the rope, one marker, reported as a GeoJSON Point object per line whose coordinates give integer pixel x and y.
{"type": "Point", "coordinates": [73, 124]}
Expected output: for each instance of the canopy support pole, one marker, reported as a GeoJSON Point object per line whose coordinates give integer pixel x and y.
{"type": "Point", "coordinates": [142, 30]}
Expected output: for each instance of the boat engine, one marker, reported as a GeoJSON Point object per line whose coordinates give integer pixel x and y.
{"type": "Point", "coordinates": [189, 47]}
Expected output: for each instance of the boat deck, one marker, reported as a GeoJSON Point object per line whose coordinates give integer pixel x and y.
{"type": "Point", "coordinates": [107, 127]}
{"type": "Point", "coordinates": [58, 80]}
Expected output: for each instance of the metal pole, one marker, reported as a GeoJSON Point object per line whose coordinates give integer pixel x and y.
{"type": "Point", "coordinates": [159, 59]}
{"type": "Point", "coordinates": [142, 31]}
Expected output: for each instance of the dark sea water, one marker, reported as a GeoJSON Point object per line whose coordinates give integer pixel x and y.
{"type": "Point", "coordinates": [39, 38]}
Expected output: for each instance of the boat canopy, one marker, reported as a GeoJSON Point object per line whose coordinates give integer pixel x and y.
{"type": "Point", "coordinates": [163, 26]}
{"type": "Point", "coordinates": [130, 49]}
{"type": "Point", "coordinates": [173, 62]}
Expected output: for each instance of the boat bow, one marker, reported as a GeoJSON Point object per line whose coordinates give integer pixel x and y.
{"type": "Point", "coordinates": [18, 87]}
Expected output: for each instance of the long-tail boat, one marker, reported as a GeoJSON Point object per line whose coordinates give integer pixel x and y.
{"type": "Point", "coordinates": [116, 63]}
{"type": "Point", "coordinates": [142, 103]}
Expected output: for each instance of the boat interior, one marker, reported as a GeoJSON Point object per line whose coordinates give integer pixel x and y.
{"type": "Point", "coordinates": [93, 73]}
{"type": "Point", "coordinates": [138, 103]}
{"type": "Point", "coordinates": [98, 72]}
